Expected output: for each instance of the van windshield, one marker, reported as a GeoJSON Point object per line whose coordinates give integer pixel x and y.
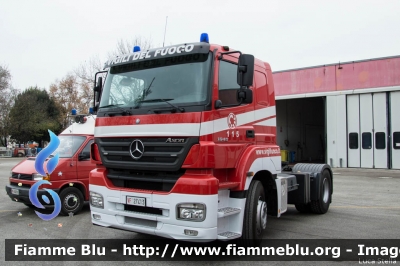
{"type": "Point", "coordinates": [68, 145]}
{"type": "Point", "coordinates": [180, 83]}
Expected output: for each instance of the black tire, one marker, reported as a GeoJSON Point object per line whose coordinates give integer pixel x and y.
{"type": "Point", "coordinates": [321, 205]}
{"type": "Point", "coordinates": [71, 200]}
{"type": "Point", "coordinates": [29, 205]}
{"type": "Point", "coordinates": [303, 208]}
{"type": "Point", "coordinates": [255, 216]}
{"type": "Point", "coordinates": [20, 154]}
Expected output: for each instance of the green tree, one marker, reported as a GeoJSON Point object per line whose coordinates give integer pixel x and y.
{"type": "Point", "coordinates": [33, 113]}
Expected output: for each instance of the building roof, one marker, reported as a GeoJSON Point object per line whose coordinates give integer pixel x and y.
{"type": "Point", "coordinates": [343, 76]}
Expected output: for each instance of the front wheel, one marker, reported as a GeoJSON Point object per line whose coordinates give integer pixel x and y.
{"type": "Point", "coordinates": [71, 200]}
{"type": "Point", "coordinates": [255, 217]}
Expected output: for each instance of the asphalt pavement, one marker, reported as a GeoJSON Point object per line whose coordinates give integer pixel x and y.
{"type": "Point", "coordinates": [365, 206]}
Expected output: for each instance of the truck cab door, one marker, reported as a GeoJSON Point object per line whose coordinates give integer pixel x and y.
{"type": "Point", "coordinates": [233, 126]}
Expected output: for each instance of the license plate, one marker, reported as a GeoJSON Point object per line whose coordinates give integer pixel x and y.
{"type": "Point", "coordinates": [14, 191]}
{"type": "Point", "coordinates": [136, 201]}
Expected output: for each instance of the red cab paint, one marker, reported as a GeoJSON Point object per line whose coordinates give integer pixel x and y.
{"type": "Point", "coordinates": [185, 146]}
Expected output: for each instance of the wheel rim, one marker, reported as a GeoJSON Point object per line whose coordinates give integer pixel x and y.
{"type": "Point", "coordinates": [325, 189]}
{"type": "Point", "coordinates": [261, 216]}
{"type": "Point", "coordinates": [71, 202]}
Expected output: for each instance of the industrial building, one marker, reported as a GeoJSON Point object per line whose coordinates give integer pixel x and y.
{"type": "Point", "coordinates": [344, 114]}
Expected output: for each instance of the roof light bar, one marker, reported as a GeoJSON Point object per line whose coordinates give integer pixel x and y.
{"type": "Point", "coordinates": [204, 38]}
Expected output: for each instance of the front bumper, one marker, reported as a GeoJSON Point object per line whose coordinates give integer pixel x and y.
{"type": "Point", "coordinates": [23, 195]}
{"type": "Point", "coordinates": [165, 224]}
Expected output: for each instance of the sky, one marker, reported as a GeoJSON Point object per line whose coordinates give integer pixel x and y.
{"type": "Point", "coordinates": [42, 41]}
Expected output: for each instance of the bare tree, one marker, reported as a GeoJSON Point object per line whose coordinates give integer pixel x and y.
{"type": "Point", "coordinates": [126, 46]}
{"type": "Point", "coordinates": [85, 74]}
{"type": "Point", "coordinates": [86, 71]}
{"type": "Point", "coordinates": [7, 99]}
{"type": "Point", "coordinates": [66, 94]}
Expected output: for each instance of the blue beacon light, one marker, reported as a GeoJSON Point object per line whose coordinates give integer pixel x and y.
{"type": "Point", "coordinates": [204, 37]}
{"type": "Point", "coordinates": [73, 111]}
{"type": "Point", "coordinates": [136, 49]}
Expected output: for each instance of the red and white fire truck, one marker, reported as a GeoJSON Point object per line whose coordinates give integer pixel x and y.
{"type": "Point", "coordinates": [185, 146]}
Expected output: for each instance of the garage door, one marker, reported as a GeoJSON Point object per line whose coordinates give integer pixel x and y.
{"type": "Point", "coordinates": [395, 128]}
{"type": "Point", "coordinates": [367, 130]}
{"type": "Point", "coordinates": [353, 131]}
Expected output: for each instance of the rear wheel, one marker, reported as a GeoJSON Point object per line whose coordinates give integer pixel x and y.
{"type": "Point", "coordinates": [303, 208]}
{"type": "Point", "coordinates": [255, 217]}
{"type": "Point", "coordinates": [71, 200]}
{"type": "Point", "coordinates": [321, 205]}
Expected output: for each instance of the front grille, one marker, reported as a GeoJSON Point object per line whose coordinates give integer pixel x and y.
{"type": "Point", "coordinates": [21, 176]}
{"type": "Point", "coordinates": [147, 210]}
{"type": "Point", "coordinates": [148, 180]}
{"type": "Point", "coordinates": [23, 185]}
{"type": "Point", "coordinates": [141, 222]}
{"type": "Point", "coordinates": [158, 154]}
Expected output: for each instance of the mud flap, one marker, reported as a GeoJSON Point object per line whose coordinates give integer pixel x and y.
{"type": "Point", "coordinates": [282, 193]}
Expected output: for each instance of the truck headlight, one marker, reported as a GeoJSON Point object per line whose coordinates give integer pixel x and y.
{"type": "Point", "coordinates": [195, 212]}
{"type": "Point", "coordinates": [96, 200]}
{"type": "Point", "coordinates": [37, 177]}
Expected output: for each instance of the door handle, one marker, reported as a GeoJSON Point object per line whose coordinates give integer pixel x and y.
{"type": "Point", "coordinates": [250, 133]}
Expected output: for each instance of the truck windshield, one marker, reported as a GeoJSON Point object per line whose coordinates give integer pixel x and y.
{"type": "Point", "coordinates": [141, 85]}
{"type": "Point", "coordinates": [69, 145]}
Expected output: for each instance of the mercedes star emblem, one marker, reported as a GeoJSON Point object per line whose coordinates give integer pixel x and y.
{"type": "Point", "coordinates": [136, 149]}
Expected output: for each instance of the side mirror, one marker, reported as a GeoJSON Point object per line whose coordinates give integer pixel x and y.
{"type": "Point", "coordinates": [218, 104]}
{"type": "Point", "coordinates": [97, 93]}
{"type": "Point", "coordinates": [97, 87]}
{"type": "Point", "coordinates": [245, 96]}
{"type": "Point", "coordinates": [245, 71]}
{"type": "Point", "coordinates": [84, 155]}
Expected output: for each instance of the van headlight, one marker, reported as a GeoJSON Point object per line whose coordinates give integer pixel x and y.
{"type": "Point", "coordinates": [37, 177]}
{"type": "Point", "coordinates": [96, 200]}
{"type": "Point", "coordinates": [195, 212]}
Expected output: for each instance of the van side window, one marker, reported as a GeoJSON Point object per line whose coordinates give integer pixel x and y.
{"type": "Point", "coordinates": [86, 150]}
{"type": "Point", "coordinates": [227, 83]}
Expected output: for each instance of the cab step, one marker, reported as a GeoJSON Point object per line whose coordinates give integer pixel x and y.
{"type": "Point", "coordinates": [228, 235]}
{"type": "Point", "coordinates": [227, 185]}
{"type": "Point", "coordinates": [223, 212]}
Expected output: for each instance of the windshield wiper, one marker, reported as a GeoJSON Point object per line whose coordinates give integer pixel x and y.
{"type": "Point", "coordinates": [145, 93]}
{"type": "Point", "coordinates": [180, 109]}
{"type": "Point", "coordinates": [124, 111]}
